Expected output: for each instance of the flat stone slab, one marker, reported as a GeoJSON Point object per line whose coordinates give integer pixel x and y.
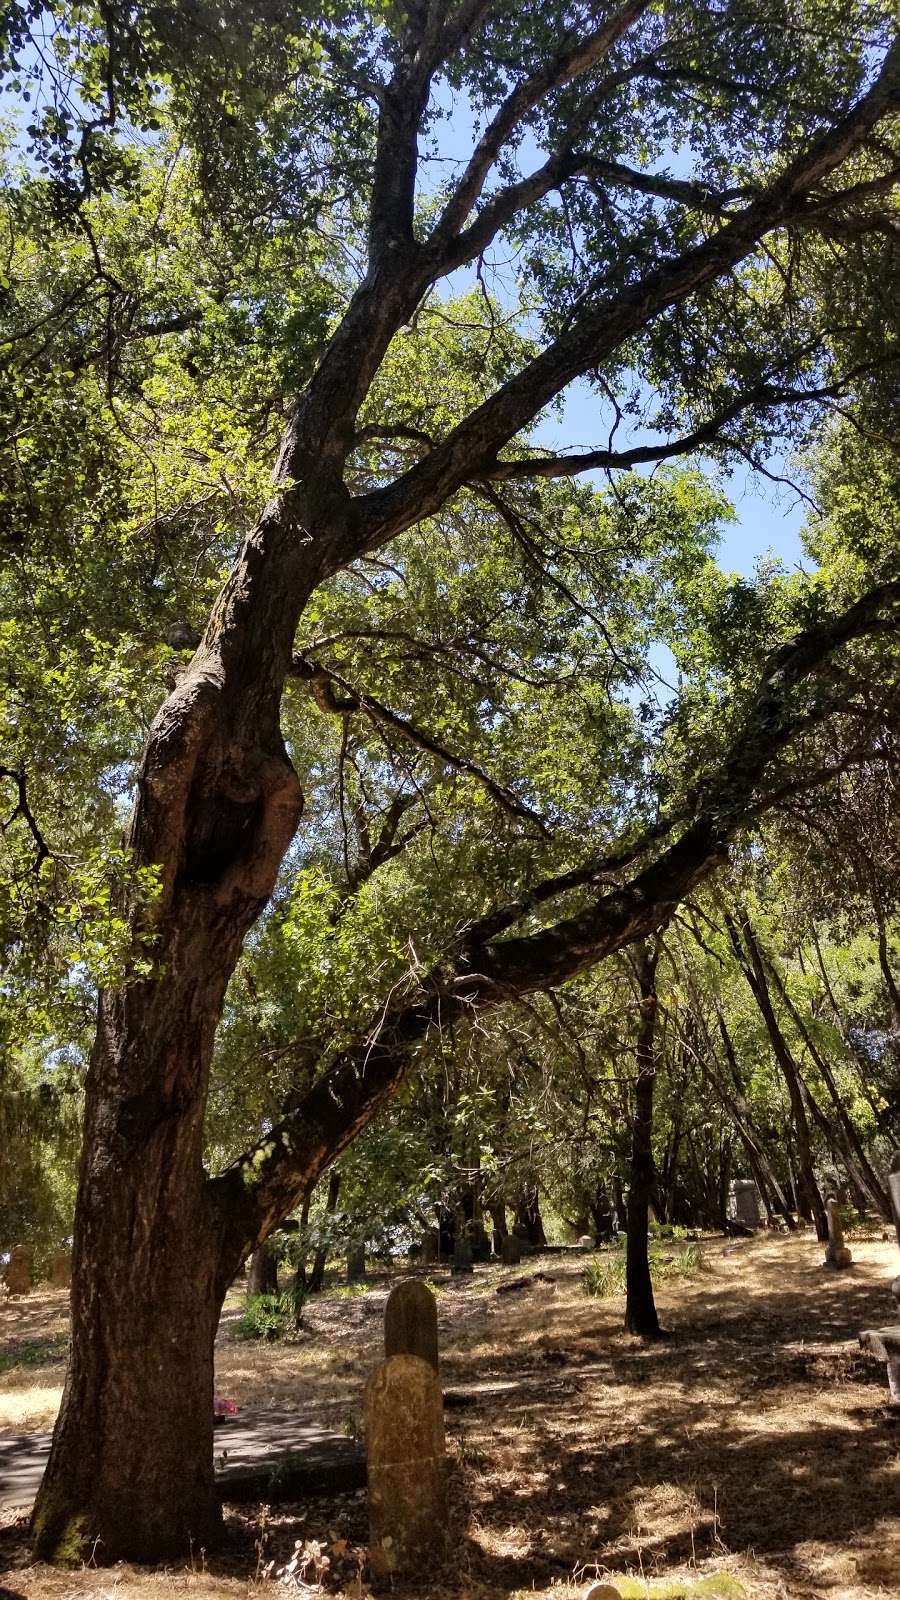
{"type": "Point", "coordinates": [259, 1455]}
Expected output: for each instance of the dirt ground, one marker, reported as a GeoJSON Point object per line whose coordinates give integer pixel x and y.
{"type": "Point", "coordinates": [749, 1454]}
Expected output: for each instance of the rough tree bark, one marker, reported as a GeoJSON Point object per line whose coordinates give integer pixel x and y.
{"type": "Point", "coordinates": [157, 1242]}
{"type": "Point", "coordinates": [640, 1306]}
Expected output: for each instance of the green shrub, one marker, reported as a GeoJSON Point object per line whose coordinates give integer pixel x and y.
{"type": "Point", "coordinates": [604, 1275]}
{"type": "Point", "coordinates": [268, 1316]}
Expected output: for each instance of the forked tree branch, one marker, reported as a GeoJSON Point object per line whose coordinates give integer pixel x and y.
{"type": "Point", "coordinates": [602, 328]}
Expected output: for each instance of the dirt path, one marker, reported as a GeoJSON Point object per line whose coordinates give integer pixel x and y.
{"type": "Point", "coordinates": [753, 1441]}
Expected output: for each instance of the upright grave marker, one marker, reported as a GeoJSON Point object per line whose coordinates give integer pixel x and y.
{"type": "Point", "coordinates": [407, 1467]}
{"type": "Point", "coordinates": [61, 1269]}
{"type": "Point", "coordinates": [20, 1269]}
{"type": "Point", "coordinates": [837, 1255]}
{"type": "Point", "coordinates": [410, 1322]}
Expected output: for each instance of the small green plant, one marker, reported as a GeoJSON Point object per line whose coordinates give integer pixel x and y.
{"type": "Point", "coordinates": [604, 1275]}
{"type": "Point", "coordinates": [268, 1316]}
{"type": "Point", "coordinates": [347, 1291]}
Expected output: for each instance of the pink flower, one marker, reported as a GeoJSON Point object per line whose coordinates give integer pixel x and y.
{"type": "Point", "coordinates": [223, 1407]}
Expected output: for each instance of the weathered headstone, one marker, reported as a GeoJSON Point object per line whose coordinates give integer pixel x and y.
{"type": "Point", "coordinates": [585, 1242]}
{"type": "Point", "coordinates": [462, 1255]}
{"type": "Point", "coordinates": [511, 1250]}
{"type": "Point", "coordinates": [356, 1262]}
{"type": "Point", "coordinates": [410, 1322]}
{"type": "Point", "coordinates": [61, 1269]}
{"type": "Point", "coordinates": [429, 1249]}
{"type": "Point", "coordinates": [836, 1255]}
{"type": "Point", "coordinates": [479, 1241]}
{"type": "Point", "coordinates": [20, 1269]}
{"type": "Point", "coordinates": [406, 1467]}
{"type": "Point", "coordinates": [744, 1202]}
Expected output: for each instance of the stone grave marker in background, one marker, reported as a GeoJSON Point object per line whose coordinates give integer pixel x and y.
{"type": "Point", "coordinates": [356, 1262]}
{"type": "Point", "coordinates": [745, 1202]}
{"type": "Point", "coordinates": [61, 1269]}
{"type": "Point", "coordinates": [837, 1254]}
{"type": "Point", "coordinates": [407, 1468]}
{"type": "Point", "coordinates": [462, 1255]}
{"type": "Point", "coordinates": [410, 1322]}
{"type": "Point", "coordinates": [429, 1250]}
{"type": "Point", "coordinates": [511, 1250]}
{"type": "Point", "coordinates": [20, 1269]}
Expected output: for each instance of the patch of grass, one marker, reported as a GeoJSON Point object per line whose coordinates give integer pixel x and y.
{"type": "Point", "coordinates": [346, 1291]}
{"type": "Point", "coordinates": [604, 1275]}
{"type": "Point", "coordinates": [35, 1352]}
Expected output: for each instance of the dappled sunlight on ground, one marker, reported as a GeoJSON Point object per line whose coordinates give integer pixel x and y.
{"type": "Point", "coordinates": [754, 1440]}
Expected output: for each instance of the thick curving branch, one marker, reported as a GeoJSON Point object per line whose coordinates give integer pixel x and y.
{"type": "Point", "coordinates": [484, 970]}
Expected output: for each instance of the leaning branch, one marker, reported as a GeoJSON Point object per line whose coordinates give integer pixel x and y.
{"type": "Point", "coordinates": [763, 397]}
{"type": "Point", "coordinates": [264, 1184]}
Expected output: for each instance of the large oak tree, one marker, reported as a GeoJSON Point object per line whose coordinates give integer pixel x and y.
{"type": "Point", "coordinates": [698, 199]}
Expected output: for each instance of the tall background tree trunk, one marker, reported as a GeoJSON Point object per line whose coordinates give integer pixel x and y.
{"type": "Point", "coordinates": [640, 1306]}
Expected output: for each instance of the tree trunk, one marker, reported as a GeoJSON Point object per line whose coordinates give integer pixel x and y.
{"type": "Point", "coordinates": [131, 1466]}
{"type": "Point", "coordinates": [859, 1169]}
{"type": "Point", "coordinates": [262, 1277]}
{"type": "Point", "coordinates": [640, 1306]}
{"type": "Point", "coordinates": [320, 1259]}
{"type": "Point", "coordinates": [528, 1216]}
{"type": "Point", "coordinates": [130, 1472]}
{"type": "Point", "coordinates": [756, 977]}
{"type": "Point", "coordinates": [735, 1104]}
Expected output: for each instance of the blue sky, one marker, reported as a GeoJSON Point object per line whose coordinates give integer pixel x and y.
{"type": "Point", "coordinates": [769, 516]}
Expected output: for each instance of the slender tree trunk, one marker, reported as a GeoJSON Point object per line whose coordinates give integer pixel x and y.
{"type": "Point", "coordinates": [736, 1104]}
{"type": "Point", "coordinates": [317, 1274]}
{"type": "Point", "coordinates": [859, 1168]}
{"type": "Point", "coordinates": [262, 1277]}
{"type": "Point", "coordinates": [884, 958]}
{"type": "Point", "coordinates": [756, 977]}
{"type": "Point", "coordinates": [640, 1306]}
{"type": "Point", "coordinates": [300, 1283]}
